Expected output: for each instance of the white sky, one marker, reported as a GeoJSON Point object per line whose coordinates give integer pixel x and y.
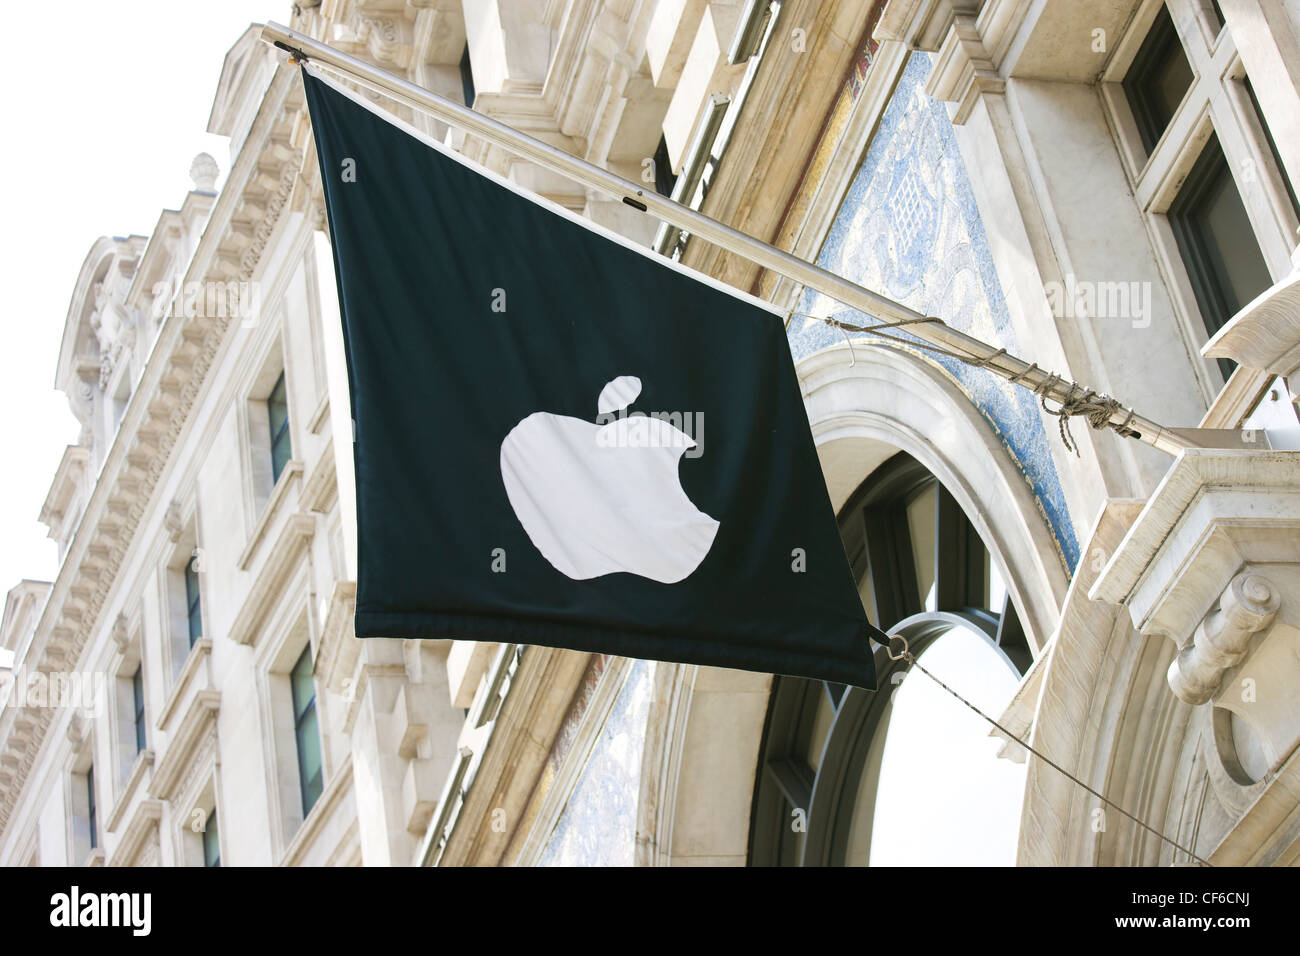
{"type": "Point", "coordinates": [102, 119]}
{"type": "Point", "coordinates": [945, 797]}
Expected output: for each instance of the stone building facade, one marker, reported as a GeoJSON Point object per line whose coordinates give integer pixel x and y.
{"type": "Point", "coordinates": [1104, 189]}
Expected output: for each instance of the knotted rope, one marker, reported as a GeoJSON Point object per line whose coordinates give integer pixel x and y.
{"type": "Point", "coordinates": [1099, 410]}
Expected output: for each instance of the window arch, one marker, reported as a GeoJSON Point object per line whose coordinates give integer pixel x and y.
{"type": "Point", "coordinates": [825, 766]}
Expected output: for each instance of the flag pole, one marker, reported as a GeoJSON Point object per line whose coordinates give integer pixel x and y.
{"type": "Point", "coordinates": [1100, 410]}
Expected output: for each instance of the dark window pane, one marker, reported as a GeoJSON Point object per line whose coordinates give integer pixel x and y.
{"type": "Point", "coordinates": [664, 178]}
{"type": "Point", "coordinates": [306, 731]}
{"type": "Point", "coordinates": [90, 806]}
{"type": "Point", "coordinates": [466, 78]}
{"type": "Point", "coordinates": [1158, 80]}
{"type": "Point", "coordinates": [903, 533]}
{"type": "Point", "coordinates": [304, 690]}
{"type": "Point", "coordinates": [211, 841]}
{"type": "Point", "coordinates": [1218, 245]}
{"type": "Point", "coordinates": [1226, 227]}
{"type": "Point", "coordinates": [137, 694]}
{"type": "Point", "coordinates": [277, 412]}
{"type": "Point", "coordinates": [193, 602]}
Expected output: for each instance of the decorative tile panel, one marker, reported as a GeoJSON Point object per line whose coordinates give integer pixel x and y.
{"type": "Point", "coordinates": [910, 229]}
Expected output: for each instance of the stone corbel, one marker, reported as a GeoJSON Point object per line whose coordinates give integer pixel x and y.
{"type": "Point", "coordinates": [121, 638]}
{"type": "Point", "coordinates": [963, 70]}
{"type": "Point", "coordinates": [1210, 561]}
{"type": "Point", "coordinates": [1222, 640]}
{"type": "Point", "coordinates": [388, 39]}
{"type": "Point", "coordinates": [172, 521]}
{"type": "Point", "coordinates": [922, 23]}
{"type": "Point", "coordinates": [384, 40]}
{"type": "Point", "coordinates": [76, 730]}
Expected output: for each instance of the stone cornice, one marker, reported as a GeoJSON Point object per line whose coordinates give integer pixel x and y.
{"type": "Point", "coordinates": [144, 822]}
{"type": "Point", "coordinates": [257, 191]}
{"type": "Point", "coordinates": [199, 721]}
{"type": "Point", "coordinates": [282, 560]}
{"type": "Point", "coordinates": [1266, 333]}
{"type": "Point", "coordinates": [1154, 557]}
{"type": "Point", "coordinates": [63, 489]}
{"type": "Point", "coordinates": [963, 69]}
{"type": "Point", "coordinates": [139, 770]}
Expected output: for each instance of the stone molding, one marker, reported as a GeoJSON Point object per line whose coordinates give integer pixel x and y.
{"type": "Point", "coordinates": [963, 69]}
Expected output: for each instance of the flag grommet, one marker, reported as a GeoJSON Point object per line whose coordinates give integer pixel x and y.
{"type": "Point", "coordinates": [905, 654]}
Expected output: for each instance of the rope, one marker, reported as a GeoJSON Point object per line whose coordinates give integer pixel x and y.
{"type": "Point", "coordinates": [910, 658]}
{"type": "Point", "coordinates": [1099, 410]}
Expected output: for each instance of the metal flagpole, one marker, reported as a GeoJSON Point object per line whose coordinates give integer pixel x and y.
{"type": "Point", "coordinates": [1100, 410]}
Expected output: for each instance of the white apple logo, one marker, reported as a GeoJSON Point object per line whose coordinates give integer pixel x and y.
{"type": "Point", "coordinates": [595, 499]}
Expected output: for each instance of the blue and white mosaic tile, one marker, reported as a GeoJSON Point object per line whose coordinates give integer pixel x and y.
{"type": "Point", "coordinates": [910, 229]}
{"type": "Point", "coordinates": [598, 824]}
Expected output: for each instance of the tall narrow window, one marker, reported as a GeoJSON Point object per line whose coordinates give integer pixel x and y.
{"type": "Point", "coordinates": [137, 695]}
{"type": "Point", "coordinates": [211, 841]}
{"type": "Point", "coordinates": [277, 411]}
{"type": "Point", "coordinates": [665, 180]}
{"type": "Point", "coordinates": [193, 602]}
{"type": "Point", "coordinates": [90, 806]}
{"type": "Point", "coordinates": [306, 730]}
{"type": "Point", "coordinates": [1217, 242]}
{"type": "Point", "coordinates": [843, 763]}
{"type": "Point", "coordinates": [466, 78]}
{"type": "Point", "coordinates": [1217, 13]}
{"type": "Point", "coordinates": [1158, 80]}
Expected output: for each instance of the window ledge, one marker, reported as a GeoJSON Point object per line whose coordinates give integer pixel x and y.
{"type": "Point", "coordinates": [198, 654]}
{"type": "Point", "coordinates": [143, 761]}
{"type": "Point", "coordinates": [1238, 397]}
{"type": "Point", "coordinates": [271, 576]}
{"type": "Point", "coordinates": [292, 469]}
{"type": "Point", "coordinates": [320, 416]}
{"type": "Point", "coordinates": [330, 800]}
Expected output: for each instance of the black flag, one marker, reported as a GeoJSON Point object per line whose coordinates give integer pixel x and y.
{"type": "Point", "coordinates": [562, 438]}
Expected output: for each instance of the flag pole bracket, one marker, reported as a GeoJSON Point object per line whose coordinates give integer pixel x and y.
{"type": "Point", "coordinates": [293, 51]}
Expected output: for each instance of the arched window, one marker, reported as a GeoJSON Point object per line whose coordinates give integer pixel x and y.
{"type": "Point", "coordinates": [905, 775]}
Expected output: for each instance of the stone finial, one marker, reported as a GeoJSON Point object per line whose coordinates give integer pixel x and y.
{"type": "Point", "coordinates": [1247, 606]}
{"type": "Point", "coordinates": [204, 172]}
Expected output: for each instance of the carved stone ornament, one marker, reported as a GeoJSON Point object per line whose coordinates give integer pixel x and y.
{"type": "Point", "coordinates": [172, 521]}
{"type": "Point", "coordinates": [120, 636]}
{"type": "Point", "coordinates": [76, 730]}
{"type": "Point", "coordinates": [1221, 642]}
